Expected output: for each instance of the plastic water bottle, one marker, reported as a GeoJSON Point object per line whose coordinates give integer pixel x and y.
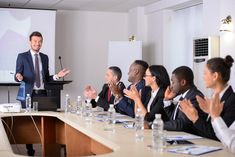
{"type": "Point", "coordinates": [111, 119]}
{"type": "Point", "coordinates": [67, 103]}
{"type": "Point", "coordinates": [28, 103]}
{"type": "Point", "coordinates": [139, 125]}
{"type": "Point", "coordinates": [88, 112]}
{"type": "Point", "coordinates": [79, 105]}
{"type": "Point", "coordinates": [84, 107]}
{"type": "Point", "coordinates": [157, 133]}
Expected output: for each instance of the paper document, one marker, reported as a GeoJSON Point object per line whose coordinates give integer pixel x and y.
{"type": "Point", "coordinates": [129, 124]}
{"type": "Point", "coordinates": [194, 149]}
{"type": "Point", "coordinates": [182, 137]}
{"type": "Point", "coordinates": [121, 120]}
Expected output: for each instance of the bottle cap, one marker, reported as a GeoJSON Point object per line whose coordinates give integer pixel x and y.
{"type": "Point", "coordinates": [157, 116]}
{"type": "Point", "coordinates": [111, 105]}
{"type": "Point", "coordinates": [138, 109]}
{"type": "Point", "coordinates": [28, 94]}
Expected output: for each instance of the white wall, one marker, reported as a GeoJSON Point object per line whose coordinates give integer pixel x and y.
{"type": "Point", "coordinates": [126, 52]}
{"type": "Point", "coordinates": [214, 11]}
{"type": "Point", "coordinates": [4, 94]}
{"type": "Point", "coordinates": [171, 25]}
{"type": "Point", "coordinates": [184, 25]}
{"type": "Point", "coordinates": [82, 42]}
{"type": "Point", "coordinates": [137, 26]}
{"type": "Point", "coordinates": [227, 39]}
{"type": "Point", "coordinates": [170, 36]}
{"type": "Point", "coordinates": [154, 44]}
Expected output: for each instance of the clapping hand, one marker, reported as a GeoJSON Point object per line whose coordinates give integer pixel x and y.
{"type": "Point", "coordinates": [216, 107]}
{"type": "Point", "coordinates": [169, 94]}
{"type": "Point", "coordinates": [114, 88]}
{"type": "Point", "coordinates": [89, 92]}
{"type": "Point", "coordinates": [132, 93]}
{"type": "Point", "coordinates": [204, 103]}
{"type": "Point", "coordinates": [189, 110]}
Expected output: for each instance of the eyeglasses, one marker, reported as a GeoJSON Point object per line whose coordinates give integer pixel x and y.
{"type": "Point", "coordinates": [145, 75]}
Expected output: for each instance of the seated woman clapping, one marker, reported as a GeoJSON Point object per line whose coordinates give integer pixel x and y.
{"type": "Point", "coordinates": [156, 81]}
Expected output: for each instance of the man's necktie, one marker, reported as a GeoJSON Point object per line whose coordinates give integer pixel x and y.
{"type": "Point", "coordinates": [176, 108]}
{"type": "Point", "coordinates": [37, 73]}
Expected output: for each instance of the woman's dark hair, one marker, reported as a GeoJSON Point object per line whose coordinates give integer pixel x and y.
{"type": "Point", "coordinates": [222, 66]}
{"type": "Point", "coordinates": [162, 77]}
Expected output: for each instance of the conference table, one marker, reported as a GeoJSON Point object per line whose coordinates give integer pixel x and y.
{"type": "Point", "coordinates": [55, 129]}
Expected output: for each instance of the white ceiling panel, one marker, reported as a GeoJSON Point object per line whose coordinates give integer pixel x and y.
{"type": "Point", "coordinates": [101, 5]}
{"type": "Point", "coordinates": [12, 3]}
{"type": "Point", "coordinates": [89, 5]}
{"type": "Point", "coordinates": [41, 3]}
{"type": "Point", "coordinates": [71, 4]}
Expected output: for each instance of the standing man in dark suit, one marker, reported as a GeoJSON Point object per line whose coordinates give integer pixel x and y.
{"type": "Point", "coordinates": [182, 86]}
{"type": "Point", "coordinates": [32, 70]}
{"type": "Point", "coordinates": [136, 73]}
{"type": "Point", "coordinates": [112, 78]}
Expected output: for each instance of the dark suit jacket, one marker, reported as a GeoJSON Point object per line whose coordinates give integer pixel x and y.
{"type": "Point", "coordinates": [156, 106]}
{"type": "Point", "coordinates": [181, 122]}
{"type": "Point", "coordinates": [24, 65]}
{"type": "Point", "coordinates": [228, 115]}
{"type": "Point", "coordinates": [103, 97]}
{"type": "Point", "coordinates": [126, 105]}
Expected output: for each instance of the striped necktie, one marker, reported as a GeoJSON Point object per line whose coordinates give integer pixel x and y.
{"type": "Point", "coordinates": [37, 73]}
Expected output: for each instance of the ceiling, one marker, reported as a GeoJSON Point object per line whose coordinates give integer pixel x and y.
{"type": "Point", "coordinates": [88, 5]}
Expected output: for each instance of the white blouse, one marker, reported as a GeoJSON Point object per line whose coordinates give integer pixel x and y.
{"type": "Point", "coordinates": [153, 95]}
{"type": "Point", "coordinates": [225, 135]}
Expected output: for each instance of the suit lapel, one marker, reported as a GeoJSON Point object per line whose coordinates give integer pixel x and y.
{"type": "Point", "coordinates": [159, 94]}
{"type": "Point", "coordinates": [43, 63]}
{"type": "Point", "coordinates": [187, 96]}
{"type": "Point", "coordinates": [148, 97]}
{"type": "Point", "coordinates": [227, 94]}
{"type": "Point", "coordinates": [190, 92]}
{"type": "Point", "coordinates": [30, 60]}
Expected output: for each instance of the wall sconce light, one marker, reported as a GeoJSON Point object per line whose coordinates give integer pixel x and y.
{"type": "Point", "coordinates": [132, 38]}
{"type": "Point", "coordinates": [226, 24]}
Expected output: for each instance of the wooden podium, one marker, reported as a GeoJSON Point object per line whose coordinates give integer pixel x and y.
{"type": "Point", "coordinates": [54, 90]}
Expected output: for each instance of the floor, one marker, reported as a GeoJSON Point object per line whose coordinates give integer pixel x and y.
{"type": "Point", "coordinates": [21, 149]}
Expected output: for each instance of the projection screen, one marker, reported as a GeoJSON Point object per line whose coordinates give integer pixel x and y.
{"type": "Point", "coordinates": [15, 27]}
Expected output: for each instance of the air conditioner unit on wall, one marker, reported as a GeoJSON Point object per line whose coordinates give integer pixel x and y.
{"type": "Point", "coordinates": [203, 49]}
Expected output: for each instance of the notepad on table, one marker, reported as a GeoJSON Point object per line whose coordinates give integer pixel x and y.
{"type": "Point", "coordinates": [194, 149]}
